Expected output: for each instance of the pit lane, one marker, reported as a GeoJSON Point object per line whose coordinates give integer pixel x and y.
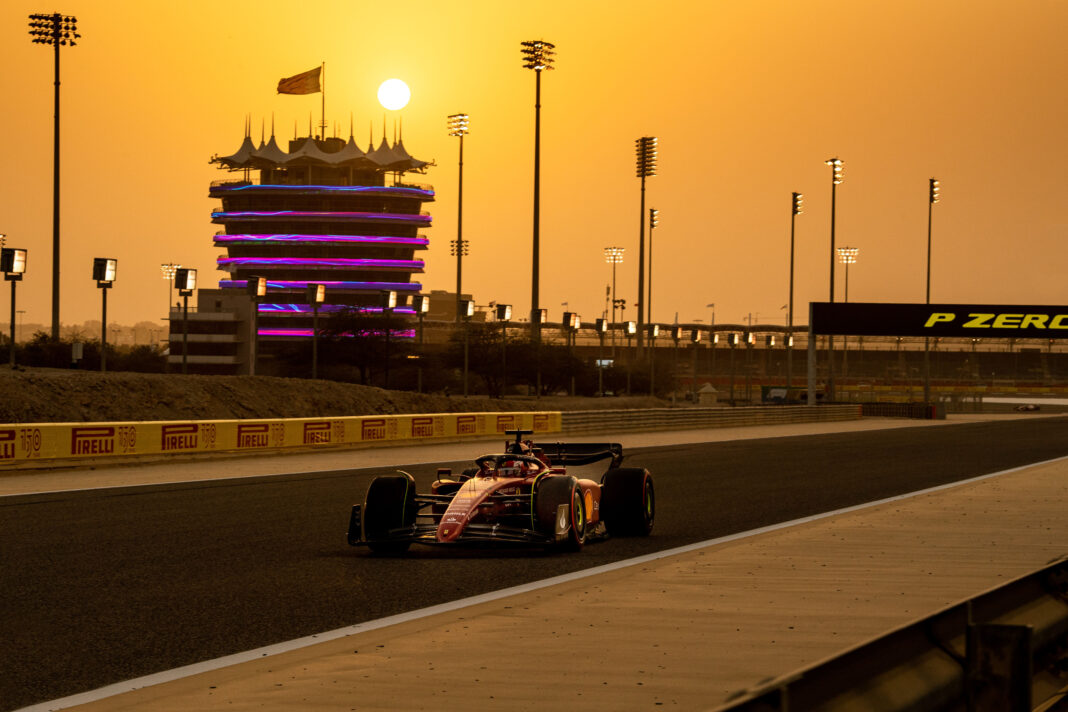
{"type": "Point", "coordinates": [112, 584]}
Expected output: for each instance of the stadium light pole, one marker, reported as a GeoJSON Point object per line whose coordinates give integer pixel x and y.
{"type": "Point", "coordinates": [539, 56]}
{"type": "Point", "coordinates": [836, 180]}
{"type": "Point", "coordinates": [847, 256]}
{"type": "Point", "coordinates": [13, 265]}
{"type": "Point", "coordinates": [187, 282]}
{"type": "Point", "coordinates": [316, 295]}
{"type": "Point", "coordinates": [933, 189]}
{"type": "Point", "coordinates": [613, 256]}
{"type": "Point", "coordinates": [457, 125]}
{"type": "Point", "coordinates": [421, 303]}
{"type": "Point", "coordinates": [797, 201]}
{"type": "Point", "coordinates": [645, 148]}
{"type": "Point", "coordinates": [56, 31]}
{"type": "Point", "coordinates": [654, 220]}
{"type": "Point", "coordinates": [504, 315]}
{"type": "Point", "coordinates": [104, 271]}
{"type": "Point", "coordinates": [168, 270]}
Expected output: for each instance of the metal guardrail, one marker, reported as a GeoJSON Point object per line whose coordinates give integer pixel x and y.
{"type": "Point", "coordinates": [1003, 651]}
{"type": "Point", "coordinates": [922, 411]}
{"type": "Point", "coordinates": [589, 421]}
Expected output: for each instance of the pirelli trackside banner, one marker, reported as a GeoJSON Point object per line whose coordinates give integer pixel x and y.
{"type": "Point", "coordinates": [57, 441]}
{"type": "Point", "coordinates": [992, 321]}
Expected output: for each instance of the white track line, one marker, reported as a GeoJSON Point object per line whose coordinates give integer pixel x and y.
{"type": "Point", "coordinates": [279, 648]}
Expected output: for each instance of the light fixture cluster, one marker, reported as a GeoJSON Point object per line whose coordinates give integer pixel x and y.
{"type": "Point", "coordinates": [848, 255]}
{"type": "Point", "coordinates": [646, 159]}
{"type": "Point", "coordinates": [933, 192]}
{"type": "Point", "coordinates": [654, 218]}
{"type": "Point", "coordinates": [459, 245]}
{"type": "Point", "coordinates": [798, 203]}
{"type": "Point", "coordinates": [613, 255]}
{"type": "Point", "coordinates": [54, 30]}
{"type": "Point", "coordinates": [836, 169]}
{"type": "Point", "coordinates": [538, 55]}
{"type": "Point", "coordinates": [457, 124]}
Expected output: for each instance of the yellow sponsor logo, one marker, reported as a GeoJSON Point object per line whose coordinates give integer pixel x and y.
{"type": "Point", "coordinates": [1006, 320]}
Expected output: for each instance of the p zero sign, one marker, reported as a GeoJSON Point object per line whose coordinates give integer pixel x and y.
{"type": "Point", "coordinates": [976, 321]}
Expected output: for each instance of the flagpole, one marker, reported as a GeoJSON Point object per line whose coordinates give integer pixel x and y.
{"type": "Point", "coordinates": [323, 125]}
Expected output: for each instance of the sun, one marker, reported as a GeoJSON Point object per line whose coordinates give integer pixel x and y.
{"type": "Point", "coordinates": [394, 94]}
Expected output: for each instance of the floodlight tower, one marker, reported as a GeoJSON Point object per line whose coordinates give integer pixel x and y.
{"type": "Point", "coordinates": [654, 221]}
{"type": "Point", "coordinates": [537, 55]}
{"type": "Point", "coordinates": [613, 256]}
{"type": "Point", "coordinates": [933, 188]}
{"type": "Point", "coordinates": [836, 180]}
{"type": "Point", "coordinates": [457, 125]}
{"type": "Point", "coordinates": [56, 31]}
{"type": "Point", "coordinates": [645, 148]}
{"type": "Point", "coordinates": [797, 201]}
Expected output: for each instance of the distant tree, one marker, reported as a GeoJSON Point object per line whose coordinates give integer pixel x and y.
{"type": "Point", "coordinates": [358, 338]}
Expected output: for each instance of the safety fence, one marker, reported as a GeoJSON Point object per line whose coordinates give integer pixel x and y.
{"type": "Point", "coordinates": [23, 444]}
{"type": "Point", "coordinates": [590, 421]}
{"type": "Point", "coordinates": [1005, 650]}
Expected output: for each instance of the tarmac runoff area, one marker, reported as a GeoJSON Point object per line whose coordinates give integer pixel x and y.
{"type": "Point", "coordinates": [684, 628]}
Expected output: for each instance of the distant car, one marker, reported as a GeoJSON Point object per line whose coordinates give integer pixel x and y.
{"type": "Point", "coordinates": [522, 496]}
{"type": "Point", "coordinates": [1027, 407]}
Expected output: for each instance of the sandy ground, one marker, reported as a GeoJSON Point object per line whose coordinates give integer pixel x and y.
{"type": "Point", "coordinates": [681, 631]}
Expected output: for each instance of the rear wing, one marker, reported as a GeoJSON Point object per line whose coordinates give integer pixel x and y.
{"type": "Point", "coordinates": [563, 454]}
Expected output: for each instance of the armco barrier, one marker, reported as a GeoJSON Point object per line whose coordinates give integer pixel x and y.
{"type": "Point", "coordinates": [48, 442]}
{"type": "Point", "coordinates": [1003, 651]}
{"type": "Point", "coordinates": [590, 421]}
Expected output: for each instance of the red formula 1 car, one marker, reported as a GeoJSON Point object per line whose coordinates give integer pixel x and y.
{"type": "Point", "coordinates": [521, 496]}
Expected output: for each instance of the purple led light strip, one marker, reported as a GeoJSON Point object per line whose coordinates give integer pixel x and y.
{"type": "Point", "coordinates": [320, 262]}
{"type": "Point", "coordinates": [388, 190]}
{"type": "Point", "coordinates": [395, 333]}
{"type": "Point", "coordinates": [303, 309]}
{"type": "Point", "coordinates": [373, 239]}
{"type": "Point", "coordinates": [393, 217]}
{"type": "Point", "coordinates": [303, 284]}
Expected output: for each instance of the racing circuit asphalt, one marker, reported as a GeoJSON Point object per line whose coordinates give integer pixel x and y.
{"type": "Point", "coordinates": [105, 585]}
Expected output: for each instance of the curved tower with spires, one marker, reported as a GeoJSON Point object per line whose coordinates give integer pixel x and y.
{"type": "Point", "coordinates": [323, 212]}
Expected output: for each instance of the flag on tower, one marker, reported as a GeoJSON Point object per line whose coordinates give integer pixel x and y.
{"type": "Point", "coordinates": [303, 83]}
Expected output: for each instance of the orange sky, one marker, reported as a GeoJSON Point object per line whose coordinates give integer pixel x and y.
{"type": "Point", "coordinates": [747, 99]}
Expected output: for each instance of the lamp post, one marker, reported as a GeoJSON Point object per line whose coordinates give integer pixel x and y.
{"type": "Point", "coordinates": [601, 326]}
{"type": "Point", "coordinates": [750, 340]}
{"type": "Point", "coordinates": [836, 180]}
{"type": "Point", "coordinates": [676, 336]}
{"type": "Point", "coordinates": [457, 125]}
{"type": "Point", "coordinates": [316, 296]}
{"type": "Point", "coordinates": [104, 269]}
{"type": "Point", "coordinates": [614, 256]}
{"type": "Point", "coordinates": [654, 220]}
{"type": "Point", "coordinates": [571, 324]}
{"type": "Point", "coordinates": [422, 306]}
{"type": "Point", "coordinates": [56, 31]}
{"type": "Point", "coordinates": [388, 300]}
{"type": "Point", "coordinates": [645, 148]}
{"type": "Point", "coordinates": [629, 328]}
{"type": "Point", "coordinates": [467, 310]}
{"type": "Point", "coordinates": [539, 56]}
{"type": "Point", "coordinates": [186, 279]}
{"type": "Point", "coordinates": [732, 341]}
{"type": "Point", "coordinates": [168, 270]}
{"type": "Point", "coordinates": [933, 189]}
{"type": "Point", "coordinates": [654, 331]}
{"type": "Point", "coordinates": [13, 265]}
{"type": "Point", "coordinates": [695, 339]}
{"type": "Point", "coordinates": [796, 208]}
{"type": "Point", "coordinates": [713, 339]}
{"type": "Point", "coordinates": [504, 314]}
{"type": "Point", "coordinates": [256, 288]}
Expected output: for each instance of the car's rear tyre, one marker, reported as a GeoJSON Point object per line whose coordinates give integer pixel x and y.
{"type": "Point", "coordinates": [628, 505]}
{"type": "Point", "coordinates": [550, 494]}
{"type": "Point", "coordinates": [390, 505]}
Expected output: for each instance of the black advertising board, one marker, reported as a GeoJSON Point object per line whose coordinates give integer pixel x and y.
{"type": "Point", "coordinates": [975, 321]}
